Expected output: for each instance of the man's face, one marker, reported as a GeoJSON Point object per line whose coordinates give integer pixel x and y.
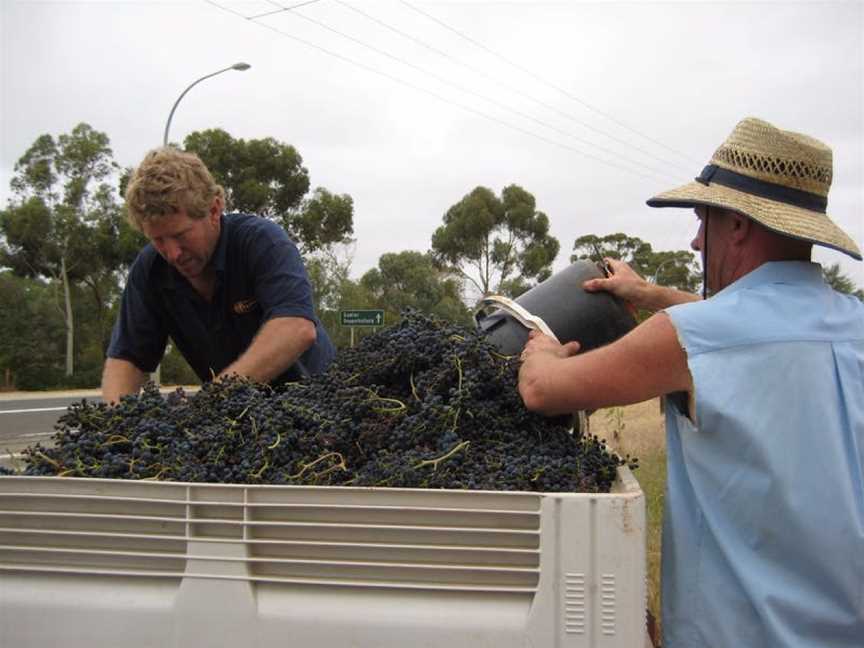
{"type": "Point", "coordinates": [184, 242]}
{"type": "Point", "coordinates": [714, 224]}
{"type": "Point", "coordinates": [698, 242]}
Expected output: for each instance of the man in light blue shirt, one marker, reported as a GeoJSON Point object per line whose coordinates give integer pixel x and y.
{"type": "Point", "coordinates": [763, 538]}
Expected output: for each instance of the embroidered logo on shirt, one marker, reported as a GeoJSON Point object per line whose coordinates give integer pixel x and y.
{"type": "Point", "coordinates": [244, 306]}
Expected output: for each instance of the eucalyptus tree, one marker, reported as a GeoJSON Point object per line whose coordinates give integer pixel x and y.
{"type": "Point", "coordinates": [676, 268]}
{"type": "Point", "coordinates": [31, 335]}
{"type": "Point", "coordinates": [491, 240]}
{"type": "Point", "coordinates": [410, 279]}
{"type": "Point", "coordinates": [62, 194]}
{"type": "Point", "coordinates": [267, 177]}
{"type": "Point", "coordinates": [841, 282]}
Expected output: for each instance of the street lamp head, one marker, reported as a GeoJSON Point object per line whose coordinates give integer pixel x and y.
{"type": "Point", "coordinates": [237, 66]}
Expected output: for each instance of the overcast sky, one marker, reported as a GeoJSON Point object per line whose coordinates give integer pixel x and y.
{"type": "Point", "coordinates": [407, 106]}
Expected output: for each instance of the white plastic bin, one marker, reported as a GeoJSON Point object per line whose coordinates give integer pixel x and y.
{"type": "Point", "coordinates": [93, 562]}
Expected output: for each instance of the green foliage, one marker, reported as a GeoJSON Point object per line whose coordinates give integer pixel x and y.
{"type": "Point", "coordinates": [31, 333]}
{"type": "Point", "coordinates": [633, 250]}
{"type": "Point", "coordinates": [175, 369]}
{"type": "Point", "coordinates": [351, 295]}
{"type": "Point", "coordinates": [401, 280]}
{"type": "Point", "coordinates": [84, 160]}
{"type": "Point", "coordinates": [410, 279]}
{"type": "Point", "coordinates": [678, 269]}
{"type": "Point", "coordinates": [31, 337]}
{"type": "Point", "coordinates": [27, 226]}
{"type": "Point", "coordinates": [840, 282]}
{"type": "Point", "coordinates": [262, 177]}
{"type": "Point", "coordinates": [60, 222]}
{"type": "Point", "coordinates": [324, 219]}
{"type": "Point", "coordinates": [333, 290]}
{"type": "Point", "coordinates": [267, 177]}
{"type": "Point", "coordinates": [36, 174]}
{"type": "Point", "coordinates": [652, 479]}
{"type": "Point", "coordinates": [489, 240]}
{"type": "Point", "coordinates": [64, 231]}
{"type": "Point", "coordinates": [328, 274]}
{"type": "Point", "coordinates": [516, 286]}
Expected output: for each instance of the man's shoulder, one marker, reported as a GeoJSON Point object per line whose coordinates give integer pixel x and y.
{"type": "Point", "coordinates": [249, 226]}
{"type": "Point", "coordinates": [784, 309]}
{"type": "Point", "coordinates": [253, 239]}
{"type": "Point", "coordinates": [147, 264]}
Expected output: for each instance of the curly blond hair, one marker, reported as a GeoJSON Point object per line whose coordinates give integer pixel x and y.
{"type": "Point", "coordinates": [169, 180]}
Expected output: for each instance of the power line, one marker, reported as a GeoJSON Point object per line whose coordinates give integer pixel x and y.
{"type": "Point", "coordinates": [431, 93]}
{"type": "Point", "coordinates": [502, 84]}
{"type": "Point", "coordinates": [474, 93]}
{"type": "Point", "coordinates": [281, 9]}
{"type": "Point", "coordinates": [537, 77]}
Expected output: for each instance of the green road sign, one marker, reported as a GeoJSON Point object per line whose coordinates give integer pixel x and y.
{"type": "Point", "coordinates": [362, 317]}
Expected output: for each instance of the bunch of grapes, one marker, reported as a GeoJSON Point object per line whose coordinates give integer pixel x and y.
{"type": "Point", "coordinates": [423, 404]}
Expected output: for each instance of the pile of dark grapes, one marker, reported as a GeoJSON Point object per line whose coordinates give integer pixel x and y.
{"type": "Point", "coordinates": [422, 404]}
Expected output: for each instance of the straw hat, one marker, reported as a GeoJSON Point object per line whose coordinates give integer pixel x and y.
{"type": "Point", "coordinates": [778, 178]}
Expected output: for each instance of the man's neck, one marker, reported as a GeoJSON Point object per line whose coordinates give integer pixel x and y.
{"type": "Point", "coordinates": [205, 283]}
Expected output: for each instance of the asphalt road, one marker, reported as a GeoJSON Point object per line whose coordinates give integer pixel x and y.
{"type": "Point", "coordinates": [27, 420]}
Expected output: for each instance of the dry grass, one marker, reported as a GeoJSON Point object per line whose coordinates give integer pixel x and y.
{"type": "Point", "coordinates": [638, 430]}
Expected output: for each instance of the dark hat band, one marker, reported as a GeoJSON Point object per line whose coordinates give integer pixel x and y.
{"type": "Point", "coordinates": [804, 199]}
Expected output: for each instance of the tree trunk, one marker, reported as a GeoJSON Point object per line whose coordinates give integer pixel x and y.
{"type": "Point", "coordinates": [93, 284]}
{"type": "Point", "coordinates": [70, 333]}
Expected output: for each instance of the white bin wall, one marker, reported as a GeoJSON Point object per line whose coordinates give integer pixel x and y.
{"type": "Point", "coordinates": [48, 610]}
{"type": "Point", "coordinates": [590, 592]}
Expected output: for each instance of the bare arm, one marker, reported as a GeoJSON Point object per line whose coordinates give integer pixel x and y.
{"type": "Point", "coordinates": [277, 346]}
{"type": "Point", "coordinates": [626, 284]}
{"type": "Point", "coordinates": [645, 363]}
{"type": "Point", "coordinates": [119, 378]}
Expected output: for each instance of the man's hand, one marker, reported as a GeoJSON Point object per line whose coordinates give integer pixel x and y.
{"type": "Point", "coordinates": [119, 378]}
{"type": "Point", "coordinates": [540, 343]}
{"type": "Point", "coordinates": [539, 357]}
{"type": "Point", "coordinates": [278, 345]}
{"type": "Point", "coordinates": [625, 283]}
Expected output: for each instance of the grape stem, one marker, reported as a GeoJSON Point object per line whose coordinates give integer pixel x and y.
{"type": "Point", "coordinates": [434, 462]}
{"type": "Point", "coordinates": [307, 466]}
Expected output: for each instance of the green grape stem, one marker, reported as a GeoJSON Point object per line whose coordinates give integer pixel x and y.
{"type": "Point", "coordinates": [434, 462]}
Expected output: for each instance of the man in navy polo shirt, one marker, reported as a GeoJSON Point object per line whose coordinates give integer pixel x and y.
{"type": "Point", "coordinates": [229, 289]}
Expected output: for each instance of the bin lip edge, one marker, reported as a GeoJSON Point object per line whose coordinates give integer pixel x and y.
{"type": "Point", "coordinates": [626, 481]}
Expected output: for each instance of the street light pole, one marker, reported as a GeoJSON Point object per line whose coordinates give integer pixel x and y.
{"type": "Point", "coordinates": [657, 271]}
{"type": "Point", "coordinates": [241, 67]}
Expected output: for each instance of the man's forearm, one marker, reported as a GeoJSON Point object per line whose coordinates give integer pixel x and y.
{"type": "Point", "coordinates": [119, 378]}
{"type": "Point", "coordinates": [277, 346]}
{"type": "Point", "coordinates": [655, 298]}
{"type": "Point", "coordinates": [645, 363]}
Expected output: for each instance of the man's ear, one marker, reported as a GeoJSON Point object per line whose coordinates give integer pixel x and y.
{"type": "Point", "coordinates": [216, 208]}
{"type": "Point", "coordinates": [741, 227]}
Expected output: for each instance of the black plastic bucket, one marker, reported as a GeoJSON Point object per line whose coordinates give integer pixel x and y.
{"type": "Point", "coordinates": [592, 319]}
